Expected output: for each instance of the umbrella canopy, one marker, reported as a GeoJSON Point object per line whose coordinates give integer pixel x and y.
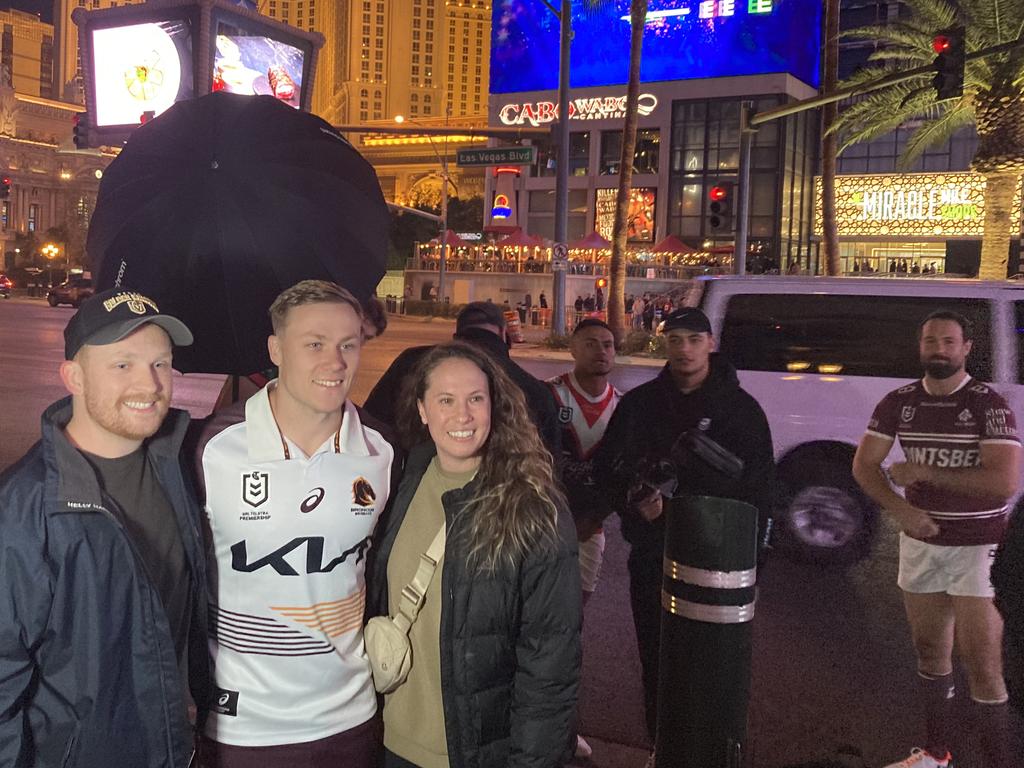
{"type": "Point", "coordinates": [519, 238]}
{"type": "Point", "coordinates": [673, 244]}
{"type": "Point", "coordinates": [221, 202]}
{"type": "Point", "coordinates": [593, 241]}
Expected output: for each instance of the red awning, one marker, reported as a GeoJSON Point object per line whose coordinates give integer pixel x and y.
{"type": "Point", "coordinates": [593, 241]}
{"type": "Point", "coordinates": [453, 240]}
{"type": "Point", "coordinates": [519, 238]}
{"type": "Point", "coordinates": [673, 244]}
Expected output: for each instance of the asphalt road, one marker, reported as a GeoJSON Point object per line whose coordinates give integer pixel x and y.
{"type": "Point", "coordinates": [832, 665]}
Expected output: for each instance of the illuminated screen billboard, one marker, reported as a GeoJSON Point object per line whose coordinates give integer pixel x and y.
{"type": "Point", "coordinates": [252, 59]}
{"type": "Point", "coordinates": [683, 40]}
{"type": "Point", "coordinates": [640, 219]}
{"type": "Point", "coordinates": [140, 68]}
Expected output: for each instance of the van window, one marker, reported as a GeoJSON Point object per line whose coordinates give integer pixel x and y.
{"type": "Point", "coordinates": [842, 334]}
{"type": "Point", "coordinates": [1018, 316]}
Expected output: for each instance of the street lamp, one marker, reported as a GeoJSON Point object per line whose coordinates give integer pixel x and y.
{"type": "Point", "coordinates": [442, 158]}
{"type": "Point", "coordinates": [51, 252]}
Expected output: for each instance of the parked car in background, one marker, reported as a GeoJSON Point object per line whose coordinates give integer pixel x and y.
{"type": "Point", "coordinates": [6, 284]}
{"type": "Point", "coordinates": [818, 353]}
{"type": "Point", "coordinates": [73, 291]}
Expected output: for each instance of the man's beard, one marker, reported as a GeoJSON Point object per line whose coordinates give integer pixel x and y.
{"type": "Point", "coordinates": [941, 369]}
{"type": "Point", "coordinates": [109, 417]}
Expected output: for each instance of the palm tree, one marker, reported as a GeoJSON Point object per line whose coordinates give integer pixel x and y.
{"type": "Point", "coordinates": [620, 228]}
{"type": "Point", "coordinates": [993, 101]}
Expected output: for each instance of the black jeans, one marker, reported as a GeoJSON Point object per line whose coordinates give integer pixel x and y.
{"type": "Point", "coordinates": [391, 760]}
{"type": "Point", "coordinates": [645, 579]}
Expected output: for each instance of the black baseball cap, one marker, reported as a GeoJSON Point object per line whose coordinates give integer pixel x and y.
{"type": "Point", "coordinates": [479, 313]}
{"type": "Point", "coordinates": [688, 319]}
{"type": "Point", "coordinates": [110, 315]}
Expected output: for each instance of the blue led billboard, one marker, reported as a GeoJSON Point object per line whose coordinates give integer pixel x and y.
{"type": "Point", "coordinates": [683, 40]}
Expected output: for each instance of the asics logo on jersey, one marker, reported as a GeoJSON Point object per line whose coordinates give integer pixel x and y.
{"type": "Point", "coordinates": [312, 501]}
{"type": "Point", "coordinates": [362, 493]}
{"type": "Point", "coordinates": [314, 556]}
{"type": "Point", "coordinates": [255, 488]}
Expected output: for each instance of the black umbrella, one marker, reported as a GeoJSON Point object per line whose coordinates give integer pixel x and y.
{"type": "Point", "coordinates": [223, 201]}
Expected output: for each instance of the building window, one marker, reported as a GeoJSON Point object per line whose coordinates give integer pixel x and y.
{"type": "Point", "coordinates": [33, 217]}
{"type": "Point", "coordinates": [5, 213]}
{"type": "Point", "coordinates": [645, 155]}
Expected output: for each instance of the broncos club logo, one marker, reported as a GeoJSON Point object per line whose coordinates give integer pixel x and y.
{"type": "Point", "coordinates": [362, 493]}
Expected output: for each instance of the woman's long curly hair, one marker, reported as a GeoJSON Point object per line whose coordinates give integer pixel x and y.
{"type": "Point", "coordinates": [515, 506]}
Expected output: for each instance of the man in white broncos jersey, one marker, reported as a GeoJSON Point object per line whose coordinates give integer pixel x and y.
{"type": "Point", "coordinates": [292, 496]}
{"type": "Point", "coordinates": [585, 403]}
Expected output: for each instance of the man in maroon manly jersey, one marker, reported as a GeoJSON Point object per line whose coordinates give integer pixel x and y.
{"type": "Point", "coordinates": [963, 461]}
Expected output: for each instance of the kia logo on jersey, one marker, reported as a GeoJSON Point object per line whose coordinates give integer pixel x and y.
{"type": "Point", "coordinates": [362, 492]}
{"type": "Point", "coordinates": [312, 501]}
{"type": "Point", "coordinates": [255, 488]}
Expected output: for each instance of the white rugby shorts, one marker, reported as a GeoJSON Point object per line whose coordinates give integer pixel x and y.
{"type": "Point", "coordinates": [960, 571]}
{"type": "Point", "coordinates": [591, 557]}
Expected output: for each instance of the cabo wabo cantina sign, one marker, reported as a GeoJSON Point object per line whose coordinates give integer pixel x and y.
{"type": "Point", "coordinates": [538, 113]}
{"type": "Point", "coordinates": [929, 205]}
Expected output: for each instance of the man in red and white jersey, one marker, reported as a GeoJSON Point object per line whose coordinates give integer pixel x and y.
{"type": "Point", "coordinates": [585, 401]}
{"type": "Point", "coordinates": [293, 493]}
{"type": "Point", "coordinates": [963, 459]}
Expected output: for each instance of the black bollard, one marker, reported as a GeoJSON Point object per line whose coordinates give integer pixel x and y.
{"type": "Point", "coordinates": [707, 599]}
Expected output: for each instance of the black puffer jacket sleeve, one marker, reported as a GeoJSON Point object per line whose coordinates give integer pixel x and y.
{"type": "Point", "coordinates": [548, 657]}
{"type": "Point", "coordinates": [1008, 580]}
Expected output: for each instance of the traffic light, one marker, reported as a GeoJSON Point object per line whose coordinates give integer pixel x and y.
{"type": "Point", "coordinates": [719, 204]}
{"type": "Point", "coordinates": [949, 63]}
{"type": "Point", "coordinates": [5, 187]}
{"type": "Point", "coordinates": [80, 130]}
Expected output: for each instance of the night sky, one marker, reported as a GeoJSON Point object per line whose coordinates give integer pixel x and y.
{"type": "Point", "coordinates": [42, 8]}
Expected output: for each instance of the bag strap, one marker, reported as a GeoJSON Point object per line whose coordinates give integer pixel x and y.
{"type": "Point", "coordinates": [415, 592]}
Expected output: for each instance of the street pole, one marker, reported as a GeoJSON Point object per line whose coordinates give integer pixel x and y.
{"type": "Point", "coordinates": [739, 255]}
{"type": "Point", "coordinates": [444, 228]}
{"type": "Point", "coordinates": [562, 167]}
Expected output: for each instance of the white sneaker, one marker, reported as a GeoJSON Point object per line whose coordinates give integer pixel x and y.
{"type": "Point", "coordinates": [651, 760]}
{"type": "Point", "coordinates": [921, 759]}
{"type": "Point", "coordinates": [583, 750]}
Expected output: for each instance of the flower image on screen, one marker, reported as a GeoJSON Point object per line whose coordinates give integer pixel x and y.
{"type": "Point", "coordinates": [257, 65]}
{"type": "Point", "coordinates": [138, 68]}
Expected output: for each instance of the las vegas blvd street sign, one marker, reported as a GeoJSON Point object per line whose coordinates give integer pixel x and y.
{"type": "Point", "coordinates": [495, 156]}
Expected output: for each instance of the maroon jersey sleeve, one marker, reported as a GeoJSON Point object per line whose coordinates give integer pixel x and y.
{"type": "Point", "coordinates": [884, 420]}
{"type": "Point", "coordinates": [999, 424]}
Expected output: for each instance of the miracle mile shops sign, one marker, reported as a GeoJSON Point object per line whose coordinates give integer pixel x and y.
{"type": "Point", "coordinates": [914, 205]}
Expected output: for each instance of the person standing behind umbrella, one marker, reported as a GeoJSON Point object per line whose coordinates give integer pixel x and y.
{"type": "Point", "coordinates": [496, 646]}
{"type": "Point", "coordinates": [292, 496]}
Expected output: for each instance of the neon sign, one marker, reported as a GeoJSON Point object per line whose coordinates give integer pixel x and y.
{"type": "Point", "coordinates": [538, 113]}
{"type": "Point", "coordinates": [502, 207]}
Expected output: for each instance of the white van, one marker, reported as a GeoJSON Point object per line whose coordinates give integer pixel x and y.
{"type": "Point", "coordinates": [818, 353]}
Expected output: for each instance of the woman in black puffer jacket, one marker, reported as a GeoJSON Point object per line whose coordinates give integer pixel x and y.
{"type": "Point", "coordinates": [495, 648]}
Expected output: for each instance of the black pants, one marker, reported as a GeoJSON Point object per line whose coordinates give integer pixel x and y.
{"type": "Point", "coordinates": [645, 579]}
{"type": "Point", "coordinates": [391, 760]}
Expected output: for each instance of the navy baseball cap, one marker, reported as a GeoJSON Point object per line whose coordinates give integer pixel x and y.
{"type": "Point", "coordinates": [109, 316]}
{"type": "Point", "coordinates": [687, 319]}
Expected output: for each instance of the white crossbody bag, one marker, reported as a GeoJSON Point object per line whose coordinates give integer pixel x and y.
{"type": "Point", "coordinates": [387, 639]}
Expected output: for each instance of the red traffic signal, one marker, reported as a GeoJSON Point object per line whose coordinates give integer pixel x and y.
{"type": "Point", "coordinates": [5, 187]}
{"type": "Point", "coordinates": [718, 193]}
{"type": "Point", "coordinates": [941, 43]}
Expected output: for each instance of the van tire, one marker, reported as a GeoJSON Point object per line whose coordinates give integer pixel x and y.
{"type": "Point", "coordinates": [822, 516]}
{"type": "Point", "coordinates": [52, 300]}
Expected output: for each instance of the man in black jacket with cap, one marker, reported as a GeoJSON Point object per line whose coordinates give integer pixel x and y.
{"type": "Point", "coordinates": [696, 390]}
{"type": "Point", "coordinates": [483, 324]}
